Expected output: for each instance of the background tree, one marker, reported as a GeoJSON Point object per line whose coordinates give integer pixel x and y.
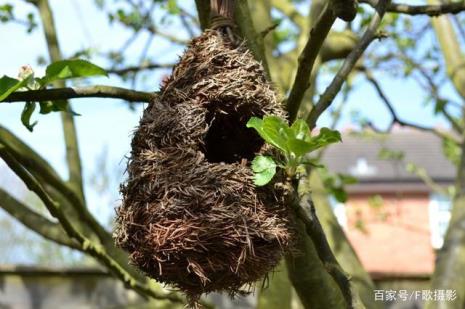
{"type": "Point", "coordinates": [311, 58]}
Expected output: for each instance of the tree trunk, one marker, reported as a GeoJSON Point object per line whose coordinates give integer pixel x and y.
{"type": "Point", "coordinates": [449, 273]}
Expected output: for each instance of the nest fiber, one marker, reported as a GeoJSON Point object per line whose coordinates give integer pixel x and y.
{"type": "Point", "coordinates": [191, 216]}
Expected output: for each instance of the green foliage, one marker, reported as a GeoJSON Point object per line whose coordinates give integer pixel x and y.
{"type": "Point", "coordinates": [60, 70]}
{"type": "Point", "coordinates": [335, 184]}
{"type": "Point", "coordinates": [451, 150]}
{"type": "Point", "coordinates": [391, 155]}
{"type": "Point", "coordinates": [9, 85]}
{"type": "Point", "coordinates": [6, 13]}
{"type": "Point", "coordinates": [69, 69]}
{"type": "Point", "coordinates": [28, 110]}
{"type": "Point", "coordinates": [172, 7]}
{"type": "Point", "coordinates": [294, 142]}
{"type": "Point", "coordinates": [264, 168]}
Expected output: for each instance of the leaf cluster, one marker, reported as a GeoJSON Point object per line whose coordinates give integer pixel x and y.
{"type": "Point", "coordinates": [294, 142]}
{"type": "Point", "coordinates": [60, 70]}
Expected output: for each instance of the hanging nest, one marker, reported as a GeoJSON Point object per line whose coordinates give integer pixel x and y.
{"type": "Point", "coordinates": [191, 216]}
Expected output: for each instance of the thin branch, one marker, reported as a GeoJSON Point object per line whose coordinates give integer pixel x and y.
{"type": "Point", "coordinates": [255, 41]}
{"type": "Point", "coordinates": [73, 158]}
{"type": "Point", "coordinates": [39, 168]}
{"type": "Point", "coordinates": [88, 246]}
{"type": "Point", "coordinates": [344, 9]}
{"type": "Point", "coordinates": [430, 10]}
{"type": "Point", "coordinates": [138, 68]}
{"type": "Point", "coordinates": [305, 211]}
{"type": "Point", "coordinates": [434, 91]}
{"type": "Point", "coordinates": [35, 221]}
{"type": "Point", "coordinates": [173, 39]}
{"type": "Point", "coordinates": [307, 60]}
{"type": "Point", "coordinates": [289, 9]}
{"type": "Point", "coordinates": [333, 89]}
{"type": "Point", "coordinates": [395, 116]}
{"type": "Point", "coordinates": [59, 94]}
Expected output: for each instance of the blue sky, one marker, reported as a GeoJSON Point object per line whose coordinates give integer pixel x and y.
{"type": "Point", "coordinates": [109, 123]}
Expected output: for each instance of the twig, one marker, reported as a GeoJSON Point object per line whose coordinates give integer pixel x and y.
{"type": "Point", "coordinates": [137, 68]}
{"type": "Point", "coordinates": [395, 116]}
{"type": "Point", "coordinates": [172, 38]}
{"type": "Point", "coordinates": [288, 8]}
{"type": "Point", "coordinates": [434, 91]}
{"type": "Point", "coordinates": [430, 10]}
{"type": "Point", "coordinates": [58, 94]}
{"type": "Point", "coordinates": [307, 60]}
{"type": "Point", "coordinates": [333, 89]}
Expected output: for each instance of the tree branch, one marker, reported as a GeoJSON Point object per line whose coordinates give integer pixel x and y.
{"type": "Point", "coordinates": [344, 9]}
{"type": "Point", "coordinates": [58, 94]}
{"type": "Point", "coordinates": [333, 89]}
{"type": "Point", "coordinates": [40, 169]}
{"type": "Point", "coordinates": [430, 10]}
{"type": "Point", "coordinates": [86, 245]}
{"type": "Point", "coordinates": [35, 221]}
{"type": "Point", "coordinates": [305, 210]}
{"type": "Point", "coordinates": [254, 39]}
{"type": "Point", "coordinates": [395, 116]}
{"type": "Point", "coordinates": [307, 58]}
{"type": "Point", "coordinates": [173, 39]}
{"type": "Point", "coordinates": [288, 8]}
{"type": "Point", "coordinates": [142, 67]}
{"type": "Point", "coordinates": [69, 128]}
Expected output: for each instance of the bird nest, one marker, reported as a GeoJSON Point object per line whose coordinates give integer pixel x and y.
{"type": "Point", "coordinates": [191, 216]}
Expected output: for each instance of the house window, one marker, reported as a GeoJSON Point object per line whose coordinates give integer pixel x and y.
{"type": "Point", "coordinates": [339, 210]}
{"type": "Point", "coordinates": [439, 216]}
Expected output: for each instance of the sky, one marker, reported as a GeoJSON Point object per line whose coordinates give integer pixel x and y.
{"type": "Point", "coordinates": [107, 125]}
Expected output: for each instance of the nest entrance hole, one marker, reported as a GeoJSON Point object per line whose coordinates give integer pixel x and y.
{"type": "Point", "coordinates": [228, 139]}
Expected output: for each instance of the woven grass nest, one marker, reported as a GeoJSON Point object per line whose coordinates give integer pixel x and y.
{"type": "Point", "coordinates": [191, 216]}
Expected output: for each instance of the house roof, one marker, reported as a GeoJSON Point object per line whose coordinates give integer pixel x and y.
{"type": "Point", "coordinates": [359, 155]}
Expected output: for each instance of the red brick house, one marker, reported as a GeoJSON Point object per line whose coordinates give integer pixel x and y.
{"type": "Point", "coordinates": [392, 218]}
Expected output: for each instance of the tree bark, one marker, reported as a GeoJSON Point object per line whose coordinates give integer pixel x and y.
{"type": "Point", "coordinates": [449, 273]}
{"type": "Point", "coordinates": [277, 292]}
{"type": "Point", "coordinates": [312, 282]}
{"type": "Point", "coordinates": [341, 246]}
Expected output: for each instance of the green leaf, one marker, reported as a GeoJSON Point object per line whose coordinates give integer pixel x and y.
{"type": "Point", "coordinates": [326, 137]}
{"type": "Point", "coordinates": [299, 147]}
{"type": "Point", "coordinates": [272, 129]}
{"type": "Point", "coordinates": [68, 69]}
{"type": "Point", "coordinates": [264, 168]}
{"type": "Point", "coordinates": [347, 179]}
{"type": "Point", "coordinates": [301, 130]}
{"type": "Point", "coordinates": [439, 106]}
{"type": "Point", "coordinates": [451, 150]}
{"type": "Point", "coordinates": [173, 7]}
{"type": "Point", "coordinates": [29, 108]}
{"type": "Point", "coordinates": [313, 162]}
{"type": "Point", "coordinates": [339, 194]}
{"type": "Point", "coordinates": [9, 85]}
